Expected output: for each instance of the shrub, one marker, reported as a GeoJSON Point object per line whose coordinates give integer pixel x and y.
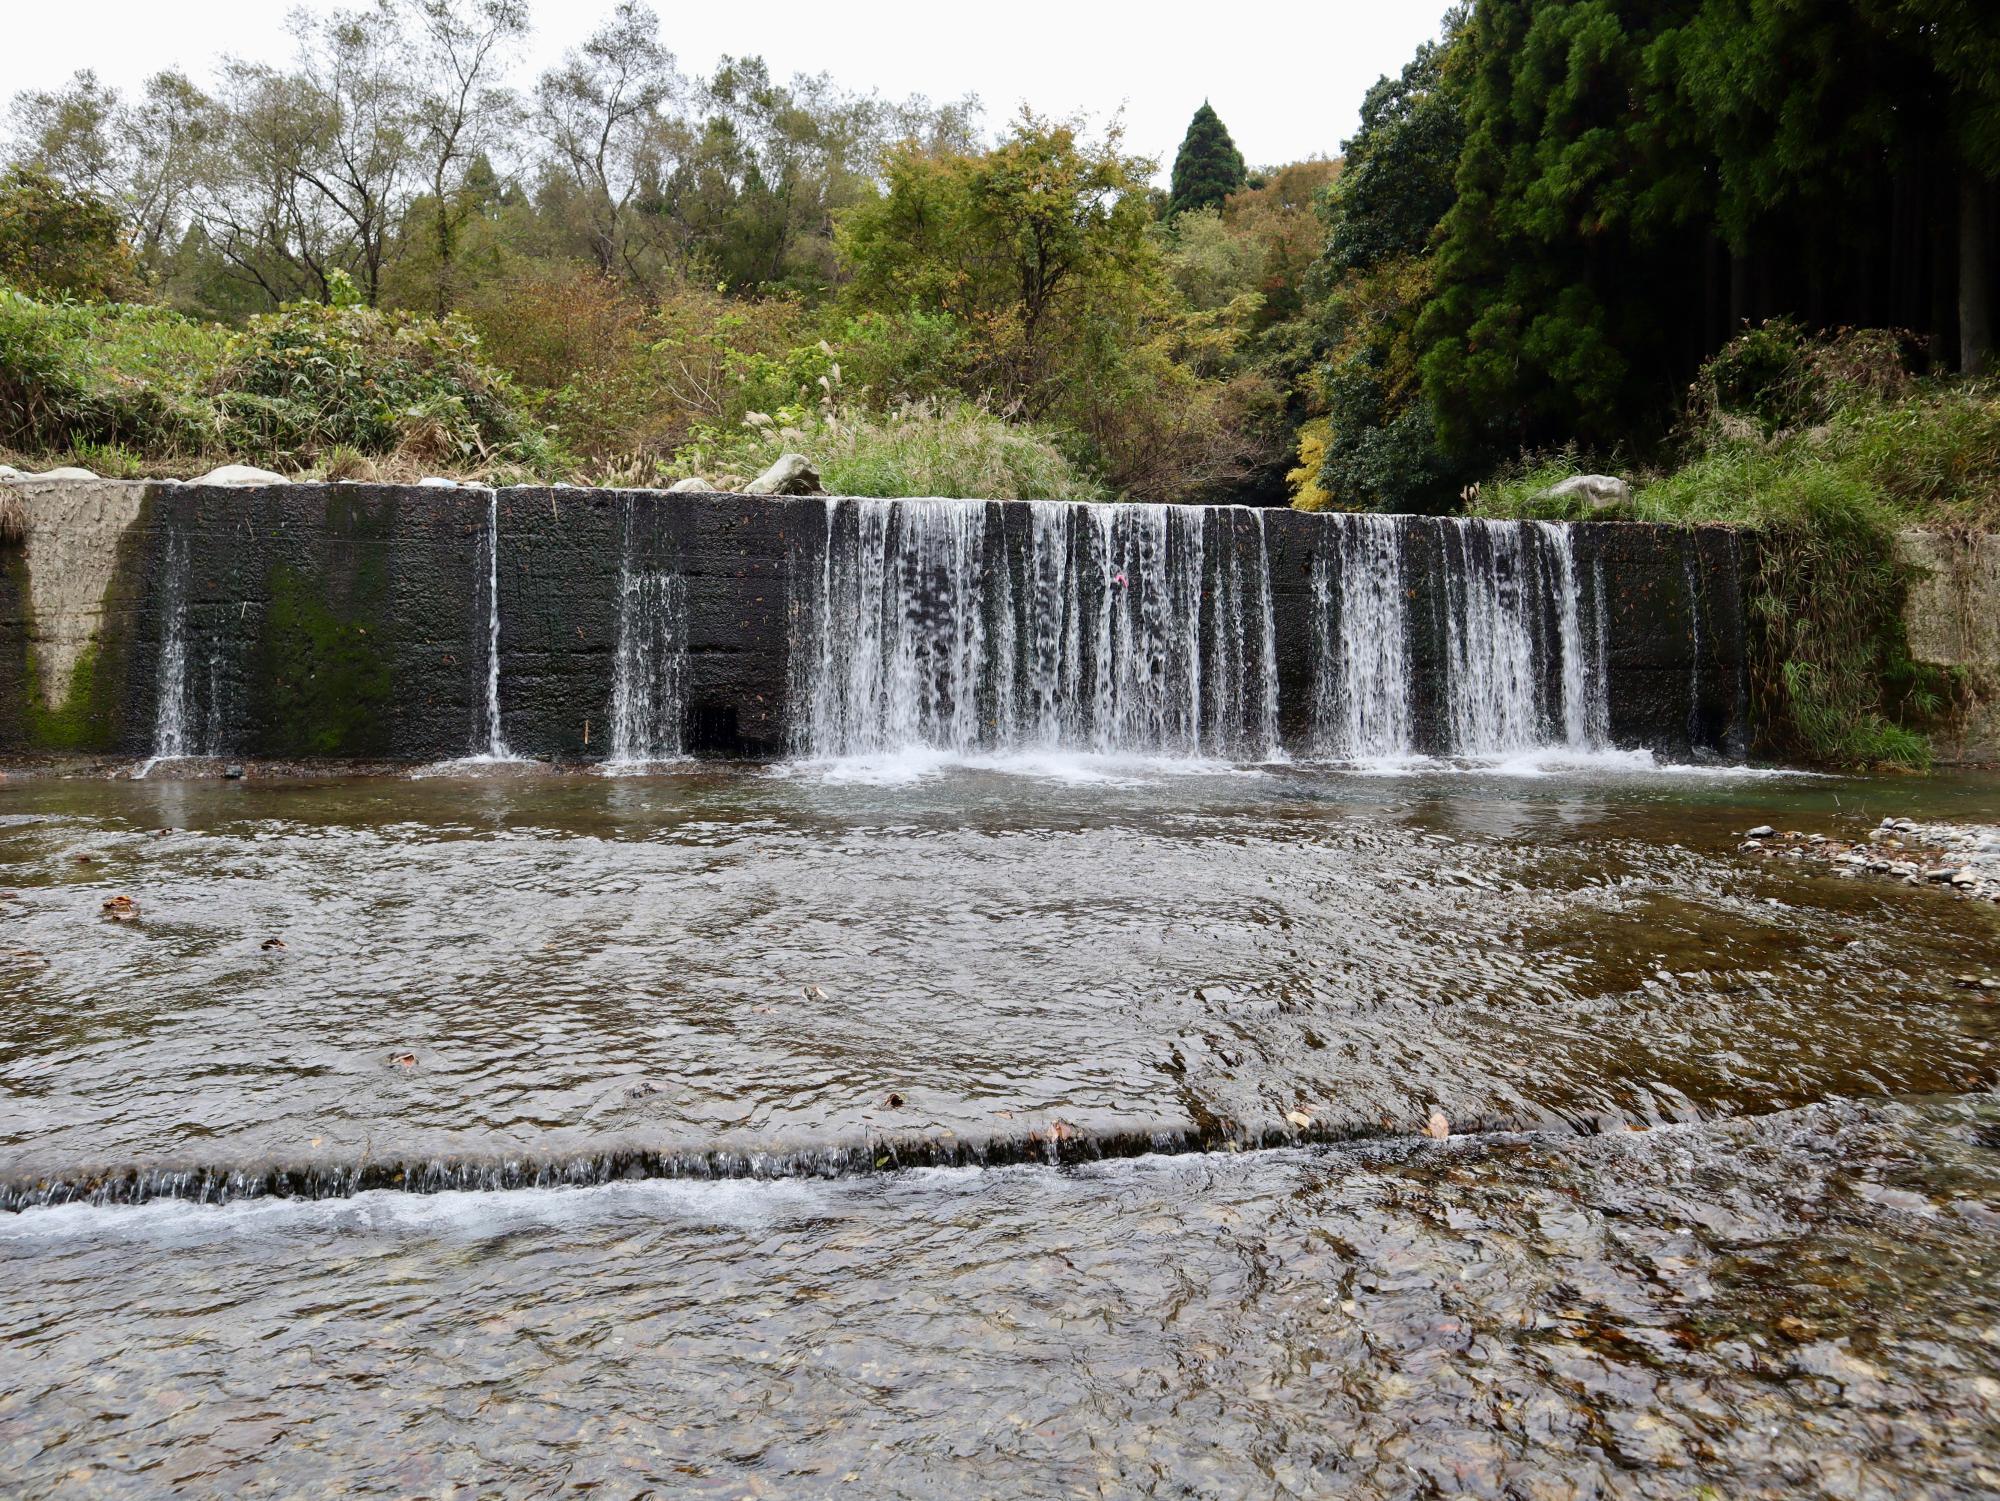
{"type": "Point", "coordinates": [615, 379]}
{"type": "Point", "coordinates": [74, 374]}
{"type": "Point", "coordinates": [307, 379]}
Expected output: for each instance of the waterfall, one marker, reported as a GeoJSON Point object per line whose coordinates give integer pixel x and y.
{"type": "Point", "coordinates": [1490, 646]}
{"type": "Point", "coordinates": [496, 742]}
{"type": "Point", "coordinates": [1576, 700]}
{"type": "Point", "coordinates": [1690, 567]}
{"type": "Point", "coordinates": [171, 737]}
{"type": "Point", "coordinates": [1517, 673]}
{"type": "Point", "coordinates": [1099, 628]}
{"type": "Point", "coordinates": [649, 666]}
{"type": "Point", "coordinates": [1361, 662]}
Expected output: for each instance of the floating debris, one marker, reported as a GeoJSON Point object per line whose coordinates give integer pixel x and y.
{"type": "Point", "coordinates": [121, 909]}
{"type": "Point", "coordinates": [1437, 1128]}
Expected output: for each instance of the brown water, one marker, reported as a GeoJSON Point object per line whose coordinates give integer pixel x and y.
{"type": "Point", "coordinates": [1780, 1288]}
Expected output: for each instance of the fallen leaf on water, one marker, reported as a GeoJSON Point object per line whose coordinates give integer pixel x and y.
{"type": "Point", "coordinates": [86, 859]}
{"type": "Point", "coordinates": [273, 943]}
{"type": "Point", "coordinates": [405, 1060]}
{"type": "Point", "coordinates": [121, 908]}
{"type": "Point", "coordinates": [893, 1100]}
{"type": "Point", "coordinates": [763, 1010]}
{"type": "Point", "coordinates": [1300, 1119]}
{"type": "Point", "coordinates": [814, 993]}
{"type": "Point", "coordinates": [1061, 1130]}
{"type": "Point", "coordinates": [1437, 1128]}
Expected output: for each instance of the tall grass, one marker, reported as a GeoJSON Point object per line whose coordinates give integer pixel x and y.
{"type": "Point", "coordinates": [923, 448]}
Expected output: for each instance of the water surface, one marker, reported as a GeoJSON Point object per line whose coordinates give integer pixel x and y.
{"type": "Point", "coordinates": [1779, 1285]}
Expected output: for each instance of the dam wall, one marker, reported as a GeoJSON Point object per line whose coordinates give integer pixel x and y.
{"type": "Point", "coordinates": [429, 623]}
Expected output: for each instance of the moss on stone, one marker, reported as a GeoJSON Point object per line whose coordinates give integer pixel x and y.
{"type": "Point", "coordinates": [323, 674]}
{"type": "Point", "coordinates": [79, 722]}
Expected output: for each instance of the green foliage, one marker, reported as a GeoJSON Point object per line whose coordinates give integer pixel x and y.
{"type": "Point", "coordinates": [306, 378]}
{"type": "Point", "coordinates": [124, 387]}
{"type": "Point", "coordinates": [1030, 281]}
{"type": "Point", "coordinates": [1379, 447]}
{"type": "Point", "coordinates": [1822, 448]}
{"type": "Point", "coordinates": [56, 242]}
{"type": "Point", "coordinates": [918, 449]}
{"type": "Point", "coordinates": [1208, 167]}
{"type": "Point", "coordinates": [74, 375]}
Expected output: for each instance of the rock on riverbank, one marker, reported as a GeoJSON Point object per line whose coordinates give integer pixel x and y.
{"type": "Point", "coordinates": [1963, 858]}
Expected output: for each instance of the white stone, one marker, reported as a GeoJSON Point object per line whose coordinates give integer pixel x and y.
{"type": "Point", "coordinates": [66, 471]}
{"type": "Point", "coordinates": [1601, 492]}
{"type": "Point", "coordinates": [693, 484]}
{"type": "Point", "coordinates": [240, 474]}
{"type": "Point", "coordinates": [793, 474]}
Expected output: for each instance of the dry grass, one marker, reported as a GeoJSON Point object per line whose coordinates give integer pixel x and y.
{"type": "Point", "coordinates": [13, 516]}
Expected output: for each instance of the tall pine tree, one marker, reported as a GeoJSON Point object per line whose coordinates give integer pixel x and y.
{"type": "Point", "coordinates": [1208, 167]}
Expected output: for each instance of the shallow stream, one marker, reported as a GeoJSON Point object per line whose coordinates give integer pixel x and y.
{"type": "Point", "coordinates": [1032, 1126]}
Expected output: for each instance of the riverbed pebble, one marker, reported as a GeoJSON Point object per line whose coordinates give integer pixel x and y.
{"type": "Point", "coordinates": [1963, 859]}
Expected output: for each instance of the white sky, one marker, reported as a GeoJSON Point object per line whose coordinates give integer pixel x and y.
{"type": "Point", "coordinates": [1287, 79]}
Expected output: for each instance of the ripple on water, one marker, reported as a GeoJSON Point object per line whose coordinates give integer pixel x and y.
{"type": "Point", "coordinates": [1632, 1315]}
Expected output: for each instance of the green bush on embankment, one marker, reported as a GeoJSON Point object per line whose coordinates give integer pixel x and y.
{"type": "Point", "coordinates": [348, 392]}
{"type": "Point", "coordinates": [128, 389]}
{"type": "Point", "coordinates": [1824, 448]}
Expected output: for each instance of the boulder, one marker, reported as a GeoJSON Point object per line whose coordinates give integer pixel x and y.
{"type": "Point", "coordinates": [240, 474]}
{"type": "Point", "coordinates": [8, 471]}
{"type": "Point", "coordinates": [1597, 493]}
{"type": "Point", "coordinates": [66, 471]}
{"type": "Point", "coordinates": [793, 474]}
{"type": "Point", "coordinates": [694, 484]}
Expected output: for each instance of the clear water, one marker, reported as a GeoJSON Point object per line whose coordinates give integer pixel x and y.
{"type": "Point", "coordinates": [820, 974]}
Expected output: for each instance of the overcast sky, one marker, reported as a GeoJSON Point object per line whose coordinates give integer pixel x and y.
{"type": "Point", "coordinates": [1286, 78]}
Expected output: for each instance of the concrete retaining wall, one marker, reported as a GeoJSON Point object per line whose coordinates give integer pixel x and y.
{"type": "Point", "coordinates": [350, 620]}
{"type": "Point", "coordinates": [1952, 618]}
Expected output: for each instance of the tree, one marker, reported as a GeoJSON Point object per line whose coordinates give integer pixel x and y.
{"type": "Point", "coordinates": [600, 114]}
{"type": "Point", "coordinates": [460, 113]}
{"type": "Point", "coordinates": [357, 88]}
{"type": "Point", "coordinates": [70, 133]}
{"type": "Point", "coordinates": [1376, 441]}
{"type": "Point", "coordinates": [1037, 250]}
{"type": "Point", "coordinates": [57, 241]}
{"type": "Point", "coordinates": [1208, 167]}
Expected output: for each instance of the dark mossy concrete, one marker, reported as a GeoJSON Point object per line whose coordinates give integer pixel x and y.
{"type": "Point", "coordinates": [351, 620]}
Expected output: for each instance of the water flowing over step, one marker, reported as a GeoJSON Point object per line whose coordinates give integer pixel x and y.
{"type": "Point", "coordinates": [1143, 628]}
{"type": "Point", "coordinates": [1511, 669]}
{"type": "Point", "coordinates": [181, 727]}
{"type": "Point", "coordinates": [464, 626]}
{"type": "Point", "coordinates": [494, 746]}
{"type": "Point", "coordinates": [649, 672]}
